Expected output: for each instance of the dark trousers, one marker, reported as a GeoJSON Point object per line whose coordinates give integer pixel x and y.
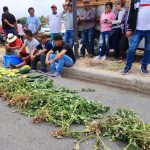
{"type": "Point", "coordinates": [42, 59]}
{"type": "Point", "coordinates": [87, 39]}
{"type": "Point", "coordinates": [123, 46]}
{"type": "Point", "coordinates": [114, 41]}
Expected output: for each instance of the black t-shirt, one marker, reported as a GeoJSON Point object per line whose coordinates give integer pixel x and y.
{"type": "Point", "coordinates": [69, 51]}
{"type": "Point", "coordinates": [10, 18]}
{"type": "Point", "coordinates": [47, 46]}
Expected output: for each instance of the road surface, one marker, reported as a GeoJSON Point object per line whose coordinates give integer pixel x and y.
{"type": "Point", "coordinates": [18, 133]}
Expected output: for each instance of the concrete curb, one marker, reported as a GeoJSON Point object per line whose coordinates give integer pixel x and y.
{"type": "Point", "coordinates": [130, 82]}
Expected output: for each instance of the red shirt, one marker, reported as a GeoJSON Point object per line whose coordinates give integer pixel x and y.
{"type": "Point", "coordinates": [17, 43]}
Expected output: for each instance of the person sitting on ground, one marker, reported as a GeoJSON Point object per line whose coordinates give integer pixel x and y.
{"type": "Point", "coordinates": [64, 56]}
{"type": "Point", "coordinates": [30, 43]}
{"type": "Point", "coordinates": [14, 44]}
{"type": "Point", "coordinates": [106, 28]}
{"type": "Point", "coordinates": [39, 53]}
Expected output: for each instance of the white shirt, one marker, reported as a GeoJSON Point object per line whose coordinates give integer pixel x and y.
{"type": "Point", "coordinates": [31, 44]}
{"type": "Point", "coordinates": [143, 19]}
{"type": "Point", "coordinates": [20, 29]}
{"type": "Point", "coordinates": [55, 22]}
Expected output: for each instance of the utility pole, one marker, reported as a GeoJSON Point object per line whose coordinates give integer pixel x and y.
{"type": "Point", "coordinates": [74, 4]}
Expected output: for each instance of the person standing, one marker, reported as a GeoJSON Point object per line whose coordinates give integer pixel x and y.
{"type": "Point", "coordinates": [55, 21]}
{"type": "Point", "coordinates": [20, 30]}
{"type": "Point", "coordinates": [106, 28]}
{"type": "Point", "coordinates": [88, 22]}
{"type": "Point", "coordinates": [139, 28]}
{"type": "Point", "coordinates": [33, 23]}
{"type": "Point", "coordinates": [69, 34]}
{"type": "Point", "coordinates": [116, 34]}
{"type": "Point", "coordinates": [9, 22]}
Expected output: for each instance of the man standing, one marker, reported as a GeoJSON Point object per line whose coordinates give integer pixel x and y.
{"type": "Point", "coordinates": [88, 21]}
{"type": "Point", "coordinates": [69, 34]}
{"type": "Point", "coordinates": [8, 22]}
{"type": "Point", "coordinates": [33, 23]}
{"type": "Point", "coordinates": [139, 27]}
{"type": "Point", "coordinates": [55, 21]}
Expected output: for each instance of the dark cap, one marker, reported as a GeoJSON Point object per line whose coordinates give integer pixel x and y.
{"type": "Point", "coordinates": [53, 6]}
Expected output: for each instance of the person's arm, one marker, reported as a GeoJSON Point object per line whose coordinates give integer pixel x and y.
{"type": "Point", "coordinates": [58, 56]}
{"type": "Point", "coordinates": [6, 21]}
{"type": "Point", "coordinates": [120, 18]}
{"type": "Point", "coordinates": [130, 19]}
{"type": "Point", "coordinates": [41, 52]}
{"type": "Point", "coordinates": [32, 54]}
{"type": "Point", "coordinates": [91, 17]}
{"type": "Point", "coordinates": [21, 49]}
{"type": "Point", "coordinates": [38, 22]}
{"type": "Point", "coordinates": [47, 57]}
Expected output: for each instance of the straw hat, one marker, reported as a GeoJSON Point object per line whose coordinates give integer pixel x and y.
{"type": "Point", "coordinates": [11, 38]}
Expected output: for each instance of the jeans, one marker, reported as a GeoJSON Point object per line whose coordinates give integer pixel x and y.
{"type": "Point", "coordinates": [104, 43]}
{"type": "Point", "coordinates": [114, 41]}
{"type": "Point", "coordinates": [39, 58]}
{"type": "Point", "coordinates": [133, 45]}
{"type": "Point", "coordinates": [59, 64]}
{"type": "Point", "coordinates": [87, 39]}
{"type": "Point", "coordinates": [12, 30]}
{"type": "Point", "coordinates": [69, 37]}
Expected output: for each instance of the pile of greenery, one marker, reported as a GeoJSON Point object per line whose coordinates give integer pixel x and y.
{"type": "Point", "coordinates": [45, 102]}
{"type": "Point", "coordinates": [126, 126]}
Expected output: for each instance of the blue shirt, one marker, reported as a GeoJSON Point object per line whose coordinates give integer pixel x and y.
{"type": "Point", "coordinates": [47, 46]}
{"type": "Point", "coordinates": [33, 23]}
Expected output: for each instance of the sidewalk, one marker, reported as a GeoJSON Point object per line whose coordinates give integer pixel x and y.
{"type": "Point", "coordinates": [108, 73]}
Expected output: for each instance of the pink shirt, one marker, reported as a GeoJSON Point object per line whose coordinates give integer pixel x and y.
{"type": "Point", "coordinates": [105, 26]}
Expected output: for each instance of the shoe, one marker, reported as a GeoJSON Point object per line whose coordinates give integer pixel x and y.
{"type": "Point", "coordinates": [12, 66]}
{"type": "Point", "coordinates": [126, 70]}
{"type": "Point", "coordinates": [56, 74]}
{"type": "Point", "coordinates": [97, 58]}
{"type": "Point", "coordinates": [104, 58]}
{"type": "Point", "coordinates": [81, 55]}
{"type": "Point", "coordinates": [90, 56]}
{"type": "Point", "coordinates": [42, 71]}
{"type": "Point", "coordinates": [51, 73]}
{"type": "Point", "coordinates": [144, 70]}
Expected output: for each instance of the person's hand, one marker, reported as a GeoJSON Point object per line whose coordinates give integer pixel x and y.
{"type": "Point", "coordinates": [24, 58]}
{"type": "Point", "coordinates": [19, 54]}
{"type": "Point", "coordinates": [12, 26]}
{"type": "Point", "coordinates": [35, 32]}
{"type": "Point", "coordinates": [33, 57]}
{"type": "Point", "coordinates": [47, 62]}
{"type": "Point", "coordinates": [51, 61]}
{"type": "Point", "coordinates": [82, 18]}
{"type": "Point", "coordinates": [128, 34]}
{"type": "Point", "coordinates": [109, 22]}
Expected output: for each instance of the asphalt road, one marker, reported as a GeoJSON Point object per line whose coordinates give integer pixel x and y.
{"type": "Point", "coordinates": [18, 133]}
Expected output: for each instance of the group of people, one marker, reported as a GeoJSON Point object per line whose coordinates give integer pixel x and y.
{"type": "Point", "coordinates": [35, 47]}
{"type": "Point", "coordinates": [121, 29]}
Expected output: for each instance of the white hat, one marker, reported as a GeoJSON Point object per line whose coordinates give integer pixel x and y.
{"type": "Point", "coordinates": [11, 38]}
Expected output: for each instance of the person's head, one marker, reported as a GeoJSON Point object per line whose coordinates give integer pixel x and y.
{"type": "Point", "coordinates": [86, 4]}
{"type": "Point", "coordinates": [28, 34]}
{"type": "Point", "coordinates": [43, 38]}
{"type": "Point", "coordinates": [70, 7]}
{"type": "Point", "coordinates": [54, 9]}
{"type": "Point", "coordinates": [11, 38]}
{"type": "Point", "coordinates": [128, 4]}
{"type": "Point", "coordinates": [108, 7]}
{"type": "Point", "coordinates": [31, 11]}
{"type": "Point", "coordinates": [18, 21]}
{"type": "Point", "coordinates": [118, 5]}
{"type": "Point", "coordinates": [5, 9]}
{"type": "Point", "coordinates": [58, 40]}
